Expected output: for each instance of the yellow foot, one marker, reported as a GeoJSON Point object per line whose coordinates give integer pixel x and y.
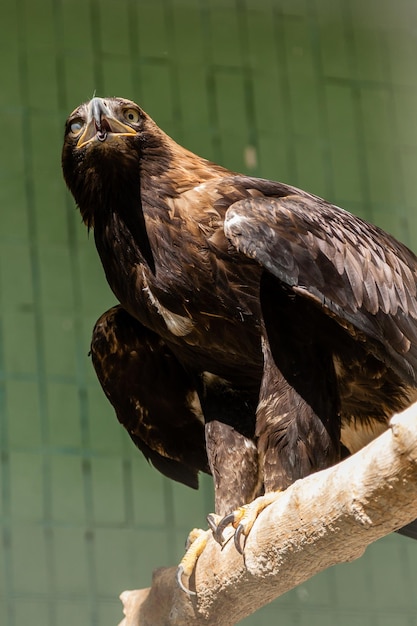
{"type": "Point", "coordinates": [196, 542]}
{"type": "Point", "coordinates": [241, 520]}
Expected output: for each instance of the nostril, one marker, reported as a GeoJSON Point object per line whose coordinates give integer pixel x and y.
{"type": "Point", "coordinates": [102, 125]}
{"type": "Point", "coordinates": [105, 126]}
{"type": "Point", "coordinates": [102, 128]}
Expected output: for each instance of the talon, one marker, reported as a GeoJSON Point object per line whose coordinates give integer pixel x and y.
{"type": "Point", "coordinates": [178, 576]}
{"type": "Point", "coordinates": [221, 527]}
{"type": "Point", "coordinates": [241, 520]}
{"type": "Point", "coordinates": [213, 521]}
{"type": "Point", "coordinates": [248, 514]}
{"type": "Point", "coordinates": [240, 530]}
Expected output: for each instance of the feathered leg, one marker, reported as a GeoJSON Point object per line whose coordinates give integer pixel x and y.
{"type": "Point", "coordinates": [233, 460]}
{"type": "Point", "coordinates": [298, 416]}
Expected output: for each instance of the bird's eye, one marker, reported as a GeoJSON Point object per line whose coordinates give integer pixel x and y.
{"type": "Point", "coordinates": [131, 115]}
{"type": "Point", "coordinates": [76, 125]}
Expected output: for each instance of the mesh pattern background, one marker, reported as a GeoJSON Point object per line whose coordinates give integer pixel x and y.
{"type": "Point", "coordinates": [321, 94]}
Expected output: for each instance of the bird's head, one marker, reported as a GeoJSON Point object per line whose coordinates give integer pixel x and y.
{"type": "Point", "coordinates": [104, 121]}
{"type": "Point", "coordinates": [114, 153]}
{"type": "Point", "coordinates": [103, 146]}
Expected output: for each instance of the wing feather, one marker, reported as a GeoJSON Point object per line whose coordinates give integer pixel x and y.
{"type": "Point", "coordinates": [358, 274]}
{"type": "Point", "coordinates": [151, 394]}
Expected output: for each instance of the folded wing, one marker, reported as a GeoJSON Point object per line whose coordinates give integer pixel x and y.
{"type": "Point", "coordinates": [353, 271]}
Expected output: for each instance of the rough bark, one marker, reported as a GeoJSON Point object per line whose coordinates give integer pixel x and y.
{"type": "Point", "coordinates": [327, 518]}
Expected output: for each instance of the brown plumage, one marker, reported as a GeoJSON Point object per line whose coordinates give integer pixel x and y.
{"type": "Point", "coordinates": [262, 333]}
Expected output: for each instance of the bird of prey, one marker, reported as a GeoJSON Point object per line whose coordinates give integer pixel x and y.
{"type": "Point", "coordinates": [261, 334]}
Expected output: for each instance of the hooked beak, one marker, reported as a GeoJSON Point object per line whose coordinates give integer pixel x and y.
{"type": "Point", "coordinates": [102, 123]}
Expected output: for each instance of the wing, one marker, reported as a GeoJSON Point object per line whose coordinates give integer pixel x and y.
{"type": "Point", "coordinates": [152, 395]}
{"type": "Point", "coordinates": [356, 273]}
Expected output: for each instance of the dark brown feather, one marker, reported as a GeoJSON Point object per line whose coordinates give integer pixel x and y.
{"type": "Point", "coordinates": [294, 321]}
{"type": "Point", "coordinates": [153, 396]}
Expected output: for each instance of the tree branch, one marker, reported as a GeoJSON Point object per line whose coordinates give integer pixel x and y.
{"type": "Point", "coordinates": [327, 518]}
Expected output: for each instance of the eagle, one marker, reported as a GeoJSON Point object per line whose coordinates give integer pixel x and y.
{"type": "Point", "coordinates": [261, 333]}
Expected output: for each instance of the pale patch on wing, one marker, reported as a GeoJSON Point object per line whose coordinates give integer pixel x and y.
{"type": "Point", "coordinates": [211, 379]}
{"type": "Point", "coordinates": [202, 187]}
{"type": "Point", "coordinates": [234, 220]}
{"type": "Point", "coordinates": [193, 402]}
{"type": "Point", "coordinates": [355, 435]}
{"type": "Point", "coordinates": [178, 325]}
{"type": "Point", "coordinates": [249, 444]}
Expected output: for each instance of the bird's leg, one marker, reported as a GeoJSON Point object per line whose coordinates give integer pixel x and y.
{"type": "Point", "coordinates": [297, 427]}
{"type": "Point", "coordinates": [234, 465]}
{"type": "Point", "coordinates": [233, 460]}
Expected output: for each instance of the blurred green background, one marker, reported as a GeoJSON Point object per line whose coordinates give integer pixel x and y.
{"type": "Point", "coordinates": [321, 94]}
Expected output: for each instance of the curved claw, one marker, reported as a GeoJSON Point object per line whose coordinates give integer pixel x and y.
{"type": "Point", "coordinates": [213, 521]}
{"type": "Point", "coordinates": [182, 586]}
{"type": "Point", "coordinates": [239, 533]}
{"type": "Point", "coordinates": [221, 526]}
{"type": "Point", "coordinates": [242, 520]}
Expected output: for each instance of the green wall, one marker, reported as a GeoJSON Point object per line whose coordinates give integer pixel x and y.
{"type": "Point", "coordinates": [318, 93]}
